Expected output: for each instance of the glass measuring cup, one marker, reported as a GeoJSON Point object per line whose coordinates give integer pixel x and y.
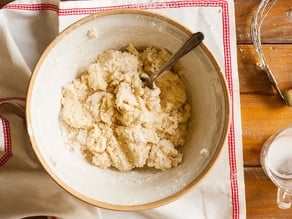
{"type": "Point", "coordinates": [262, 11]}
{"type": "Point", "coordinates": [276, 161]}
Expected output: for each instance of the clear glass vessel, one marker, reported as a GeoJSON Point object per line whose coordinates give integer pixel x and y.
{"type": "Point", "coordinates": [276, 161]}
{"type": "Point", "coordinates": [263, 9]}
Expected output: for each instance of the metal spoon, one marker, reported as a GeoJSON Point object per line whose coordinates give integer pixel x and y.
{"type": "Point", "coordinates": [190, 44]}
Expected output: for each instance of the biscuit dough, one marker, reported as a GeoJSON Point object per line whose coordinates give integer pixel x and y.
{"type": "Point", "coordinates": [116, 121]}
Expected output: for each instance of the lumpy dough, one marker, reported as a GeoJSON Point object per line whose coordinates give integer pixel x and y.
{"type": "Point", "coordinates": [116, 121]}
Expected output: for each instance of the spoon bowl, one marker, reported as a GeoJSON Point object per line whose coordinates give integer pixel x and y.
{"type": "Point", "coordinates": [194, 40]}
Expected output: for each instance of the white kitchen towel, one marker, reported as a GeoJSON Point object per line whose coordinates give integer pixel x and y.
{"type": "Point", "coordinates": [26, 28]}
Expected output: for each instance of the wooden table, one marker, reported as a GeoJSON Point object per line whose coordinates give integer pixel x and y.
{"type": "Point", "coordinates": [263, 112]}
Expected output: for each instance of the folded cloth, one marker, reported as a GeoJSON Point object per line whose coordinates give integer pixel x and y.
{"type": "Point", "coordinates": [26, 28]}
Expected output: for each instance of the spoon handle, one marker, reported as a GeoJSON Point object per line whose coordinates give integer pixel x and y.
{"type": "Point", "coordinates": [191, 43]}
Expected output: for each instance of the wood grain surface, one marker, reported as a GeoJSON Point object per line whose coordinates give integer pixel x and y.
{"type": "Point", "coordinates": [263, 112]}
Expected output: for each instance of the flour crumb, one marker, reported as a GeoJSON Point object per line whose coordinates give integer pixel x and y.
{"type": "Point", "coordinates": [205, 152]}
{"type": "Point", "coordinates": [92, 33]}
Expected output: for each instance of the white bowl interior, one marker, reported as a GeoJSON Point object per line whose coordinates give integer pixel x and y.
{"type": "Point", "coordinates": [71, 52]}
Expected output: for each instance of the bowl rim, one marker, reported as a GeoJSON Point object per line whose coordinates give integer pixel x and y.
{"type": "Point", "coordinates": [144, 206]}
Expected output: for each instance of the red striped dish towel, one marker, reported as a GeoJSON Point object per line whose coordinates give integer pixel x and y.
{"type": "Point", "coordinates": [26, 28]}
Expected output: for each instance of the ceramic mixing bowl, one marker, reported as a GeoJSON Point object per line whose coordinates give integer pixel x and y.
{"type": "Point", "coordinates": [73, 50]}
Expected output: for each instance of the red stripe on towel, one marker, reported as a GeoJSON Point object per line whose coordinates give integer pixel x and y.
{"type": "Point", "coordinates": [7, 141]}
{"type": "Point", "coordinates": [5, 99]}
{"type": "Point", "coordinates": [6, 129]}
